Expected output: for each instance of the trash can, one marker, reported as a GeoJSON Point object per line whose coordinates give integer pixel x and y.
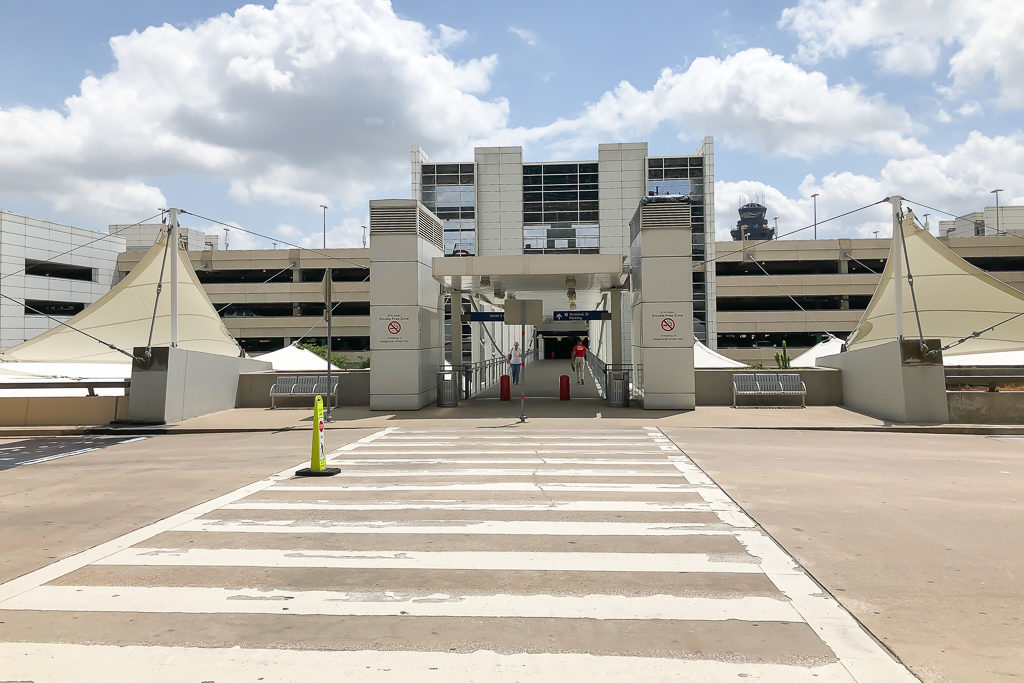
{"type": "Point", "coordinates": [447, 389]}
{"type": "Point", "coordinates": [563, 388]}
{"type": "Point", "coordinates": [617, 384]}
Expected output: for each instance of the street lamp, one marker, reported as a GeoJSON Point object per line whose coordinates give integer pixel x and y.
{"type": "Point", "coordinates": [364, 235]}
{"type": "Point", "coordinates": [814, 198]}
{"type": "Point", "coordinates": [324, 207]}
{"type": "Point", "coordinates": [776, 219]}
{"type": "Point", "coordinates": [996, 193]}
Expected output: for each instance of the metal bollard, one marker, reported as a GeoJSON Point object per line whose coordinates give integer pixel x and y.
{"type": "Point", "coordinates": [522, 413]}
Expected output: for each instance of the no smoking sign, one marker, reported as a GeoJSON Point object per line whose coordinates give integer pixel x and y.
{"type": "Point", "coordinates": [394, 327]}
{"type": "Point", "coordinates": [668, 324]}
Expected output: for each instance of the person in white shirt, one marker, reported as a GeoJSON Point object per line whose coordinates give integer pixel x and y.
{"type": "Point", "coordinates": [515, 362]}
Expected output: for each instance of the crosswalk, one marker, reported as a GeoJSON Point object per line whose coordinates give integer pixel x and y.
{"type": "Point", "coordinates": [446, 555]}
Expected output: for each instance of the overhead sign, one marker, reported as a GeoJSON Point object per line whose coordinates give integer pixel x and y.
{"type": "Point", "coordinates": [486, 316]}
{"type": "Point", "coordinates": [580, 315]}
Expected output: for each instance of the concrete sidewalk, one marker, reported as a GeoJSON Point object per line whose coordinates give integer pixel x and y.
{"type": "Point", "coordinates": [492, 412]}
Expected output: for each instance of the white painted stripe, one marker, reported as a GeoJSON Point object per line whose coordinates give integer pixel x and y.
{"type": "Point", "coordinates": [58, 456]}
{"type": "Point", "coordinates": [79, 560]}
{"type": "Point", "coordinates": [500, 461]}
{"type": "Point", "coordinates": [433, 560]}
{"type": "Point", "coordinates": [517, 443]}
{"type": "Point", "coordinates": [199, 600]}
{"type": "Point", "coordinates": [103, 663]}
{"type": "Point", "coordinates": [462, 527]}
{"type": "Point", "coordinates": [506, 486]}
{"type": "Point", "coordinates": [560, 472]}
{"type": "Point", "coordinates": [854, 647]}
{"type": "Point", "coordinates": [555, 507]}
{"type": "Point", "coordinates": [509, 451]}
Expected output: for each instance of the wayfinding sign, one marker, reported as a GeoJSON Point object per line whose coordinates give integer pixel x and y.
{"type": "Point", "coordinates": [487, 316]}
{"type": "Point", "coordinates": [580, 315]}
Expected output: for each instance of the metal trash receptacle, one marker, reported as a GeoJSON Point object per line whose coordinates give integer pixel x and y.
{"type": "Point", "coordinates": [447, 389]}
{"type": "Point", "coordinates": [618, 388]}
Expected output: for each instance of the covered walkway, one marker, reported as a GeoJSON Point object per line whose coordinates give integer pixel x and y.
{"type": "Point", "coordinates": [540, 379]}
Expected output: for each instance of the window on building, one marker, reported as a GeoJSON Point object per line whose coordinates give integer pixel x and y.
{"type": "Point", "coordinates": [346, 308]}
{"type": "Point", "coordinates": [55, 308]}
{"type": "Point", "coordinates": [449, 190]}
{"type": "Point", "coordinates": [560, 208]}
{"type": "Point", "coordinates": [727, 268]}
{"type": "Point", "coordinates": [64, 271]}
{"type": "Point", "coordinates": [748, 340]}
{"type": "Point", "coordinates": [254, 275]}
{"type": "Point", "coordinates": [337, 274]}
{"type": "Point", "coordinates": [276, 310]}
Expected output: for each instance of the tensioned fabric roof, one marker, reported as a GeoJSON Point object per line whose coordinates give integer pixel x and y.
{"type": "Point", "coordinates": [122, 317]}
{"type": "Point", "coordinates": [809, 358]}
{"type": "Point", "coordinates": [954, 298]}
{"type": "Point", "coordinates": [703, 357]}
{"type": "Point", "coordinates": [293, 358]}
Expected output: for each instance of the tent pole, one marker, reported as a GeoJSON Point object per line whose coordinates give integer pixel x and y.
{"type": "Point", "coordinates": [172, 237]}
{"type": "Point", "coordinates": [897, 254]}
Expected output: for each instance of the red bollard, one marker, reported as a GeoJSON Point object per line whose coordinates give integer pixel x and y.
{"type": "Point", "coordinates": [505, 392]}
{"type": "Point", "coordinates": [563, 388]}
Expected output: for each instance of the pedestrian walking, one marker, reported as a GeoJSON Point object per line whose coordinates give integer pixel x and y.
{"type": "Point", "coordinates": [515, 362]}
{"type": "Point", "coordinates": [579, 357]}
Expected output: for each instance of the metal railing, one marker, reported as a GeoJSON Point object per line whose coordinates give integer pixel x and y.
{"type": "Point", "coordinates": [614, 381]}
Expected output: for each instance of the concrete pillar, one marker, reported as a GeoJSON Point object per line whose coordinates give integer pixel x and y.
{"type": "Point", "coordinates": [456, 306]}
{"type": "Point", "coordinates": [615, 298]}
{"type": "Point", "coordinates": [406, 316]}
{"type": "Point", "coordinates": [661, 281]}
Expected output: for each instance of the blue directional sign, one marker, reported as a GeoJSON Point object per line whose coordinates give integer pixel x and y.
{"type": "Point", "coordinates": [486, 316]}
{"type": "Point", "coordinates": [580, 315]}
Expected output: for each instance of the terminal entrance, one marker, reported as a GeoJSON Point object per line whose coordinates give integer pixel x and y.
{"type": "Point", "coordinates": [559, 345]}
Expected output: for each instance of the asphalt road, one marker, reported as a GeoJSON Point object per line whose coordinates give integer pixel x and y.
{"type": "Point", "coordinates": [449, 553]}
{"type": "Point", "coordinates": [39, 450]}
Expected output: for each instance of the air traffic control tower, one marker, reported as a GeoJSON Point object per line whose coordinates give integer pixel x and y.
{"type": "Point", "coordinates": [494, 251]}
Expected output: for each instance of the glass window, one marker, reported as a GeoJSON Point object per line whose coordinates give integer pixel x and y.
{"type": "Point", "coordinates": [588, 168]}
{"type": "Point", "coordinates": [529, 180]}
{"type": "Point", "coordinates": [429, 169]}
{"type": "Point", "coordinates": [467, 168]}
{"type": "Point", "coordinates": [669, 173]}
{"type": "Point", "coordinates": [675, 162]}
{"type": "Point", "coordinates": [447, 168]}
{"type": "Point", "coordinates": [655, 163]}
{"type": "Point", "coordinates": [556, 169]}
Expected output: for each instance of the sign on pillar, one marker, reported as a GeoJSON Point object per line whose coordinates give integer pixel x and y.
{"type": "Point", "coordinates": [318, 458]}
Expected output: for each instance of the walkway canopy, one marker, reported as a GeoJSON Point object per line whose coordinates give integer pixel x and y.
{"type": "Point", "coordinates": [954, 298]}
{"type": "Point", "coordinates": [534, 276]}
{"type": "Point", "coordinates": [123, 315]}
{"type": "Point", "coordinates": [703, 357]}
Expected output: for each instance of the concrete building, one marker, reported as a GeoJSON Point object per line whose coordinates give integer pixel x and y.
{"type": "Point", "coordinates": [142, 237]}
{"type": "Point", "coordinates": [499, 204]}
{"type": "Point", "coordinates": [36, 272]}
{"type": "Point", "coordinates": [269, 298]}
{"type": "Point", "coordinates": [985, 223]}
{"type": "Point", "coordinates": [832, 280]}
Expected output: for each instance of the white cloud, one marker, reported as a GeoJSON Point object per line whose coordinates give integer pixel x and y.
{"type": "Point", "coordinates": [308, 100]}
{"type": "Point", "coordinates": [792, 112]}
{"type": "Point", "coordinates": [943, 116]}
{"type": "Point", "coordinates": [524, 34]}
{"type": "Point", "coordinates": [971, 108]}
{"type": "Point", "coordinates": [909, 37]}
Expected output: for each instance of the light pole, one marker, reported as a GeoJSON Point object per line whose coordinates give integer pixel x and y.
{"type": "Point", "coordinates": [324, 207]}
{"type": "Point", "coordinates": [996, 193]}
{"type": "Point", "coordinates": [776, 219]}
{"type": "Point", "coordinates": [814, 198]}
{"type": "Point", "coordinates": [364, 235]}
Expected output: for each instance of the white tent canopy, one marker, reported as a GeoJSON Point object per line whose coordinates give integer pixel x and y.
{"type": "Point", "coordinates": [703, 357]}
{"type": "Point", "coordinates": [954, 298]}
{"type": "Point", "coordinates": [123, 315]}
{"type": "Point", "coordinates": [293, 358]}
{"type": "Point", "coordinates": [809, 358]}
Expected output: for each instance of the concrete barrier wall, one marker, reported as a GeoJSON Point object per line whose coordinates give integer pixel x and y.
{"type": "Point", "coordinates": [824, 386]}
{"type": "Point", "coordinates": [175, 384]}
{"type": "Point", "coordinates": [45, 411]}
{"type": "Point", "coordinates": [986, 407]}
{"type": "Point", "coordinates": [254, 389]}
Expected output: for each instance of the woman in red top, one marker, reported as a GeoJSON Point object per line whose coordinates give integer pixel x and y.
{"type": "Point", "coordinates": [579, 357]}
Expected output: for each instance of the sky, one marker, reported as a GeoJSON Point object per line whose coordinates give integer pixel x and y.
{"type": "Point", "coordinates": [255, 115]}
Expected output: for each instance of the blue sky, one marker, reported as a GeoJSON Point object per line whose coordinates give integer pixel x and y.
{"type": "Point", "coordinates": [258, 115]}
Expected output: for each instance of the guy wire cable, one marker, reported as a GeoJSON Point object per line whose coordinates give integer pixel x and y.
{"type": "Point", "coordinates": [61, 322]}
{"type": "Point", "coordinates": [790, 296]}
